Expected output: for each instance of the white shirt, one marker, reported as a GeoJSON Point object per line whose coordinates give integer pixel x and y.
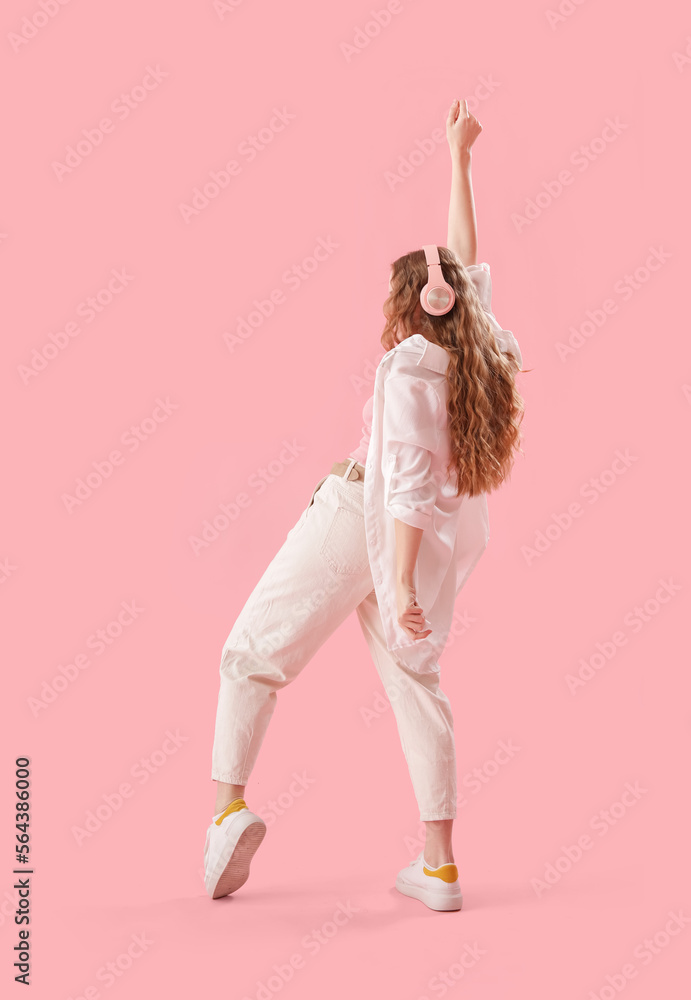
{"type": "Point", "coordinates": [406, 479]}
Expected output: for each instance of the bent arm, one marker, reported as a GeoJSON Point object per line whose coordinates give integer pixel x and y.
{"type": "Point", "coordinates": [408, 540]}
{"type": "Point", "coordinates": [412, 415]}
{"type": "Point", "coordinates": [462, 234]}
{"type": "Point", "coordinates": [410, 437]}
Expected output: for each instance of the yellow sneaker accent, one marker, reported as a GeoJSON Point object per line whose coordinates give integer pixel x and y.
{"type": "Point", "coordinates": [234, 806]}
{"type": "Point", "coordinates": [447, 872]}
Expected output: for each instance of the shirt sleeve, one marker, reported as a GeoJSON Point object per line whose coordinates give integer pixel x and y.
{"type": "Point", "coordinates": [482, 279]}
{"type": "Point", "coordinates": [411, 429]}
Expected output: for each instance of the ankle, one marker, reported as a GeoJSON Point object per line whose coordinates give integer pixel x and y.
{"type": "Point", "coordinates": [224, 801]}
{"type": "Point", "coordinates": [438, 842]}
{"type": "Point", "coordinates": [227, 793]}
{"type": "Point", "coordinates": [433, 859]}
{"type": "Point", "coordinates": [437, 852]}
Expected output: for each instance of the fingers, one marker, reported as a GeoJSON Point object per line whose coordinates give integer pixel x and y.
{"type": "Point", "coordinates": [458, 109]}
{"type": "Point", "coordinates": [413, 611]}
{"type": "Point", "coordinates": [459, 112]}
{"type": "Point", "coordinates": [416, 624]}
{"type": "Point", "coordinates": [416, 635]}
{"type": "Point", "coordinates": [413, 622]}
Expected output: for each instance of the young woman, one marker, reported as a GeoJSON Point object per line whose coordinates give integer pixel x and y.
{"type": "Point", "coordinates": [392, 533]}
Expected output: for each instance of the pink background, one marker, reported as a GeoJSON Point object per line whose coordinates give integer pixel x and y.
{"type": "Point", "coordinates": [302, 376]}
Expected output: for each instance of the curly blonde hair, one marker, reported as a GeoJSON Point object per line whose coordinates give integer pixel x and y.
{"type": "Point", "coordinates": [484, 407]}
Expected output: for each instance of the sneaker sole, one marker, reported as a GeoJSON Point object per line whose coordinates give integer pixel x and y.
{"type": "Point", "coordinates": [435, 900]}
{"type": "Point", "coordinates": [237, 869]}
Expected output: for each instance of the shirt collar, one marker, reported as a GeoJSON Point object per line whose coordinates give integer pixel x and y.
{"type": "Point", "coordinates": [433, 356]}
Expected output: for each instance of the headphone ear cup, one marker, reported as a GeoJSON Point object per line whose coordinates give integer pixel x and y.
{"type": "Point", "coordinates": [437, 300]}
{"type": "Point", "coordinates": [437, 297]}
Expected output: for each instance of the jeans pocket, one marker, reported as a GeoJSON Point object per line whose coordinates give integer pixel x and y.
{"type": "Point", "coordinates": [306, 512]}
{"type": "Point", "coordinates": [345, 544]}
{"type": "Point", "coordinates": [298, 524]}
{"type": "Point", "coordinates": [317, 487]}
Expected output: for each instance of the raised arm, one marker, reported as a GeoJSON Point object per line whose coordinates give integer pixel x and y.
{"type": "Point", "coordinates": [462, 129]}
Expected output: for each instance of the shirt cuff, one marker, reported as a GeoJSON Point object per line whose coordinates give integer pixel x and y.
{"type": "Point", "coordinates": [415, 518]}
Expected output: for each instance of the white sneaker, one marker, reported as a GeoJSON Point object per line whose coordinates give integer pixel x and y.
{"type": "Point", "coordinates": [437, 887]}
{"type": "Point", "coordinates": [231, 840]}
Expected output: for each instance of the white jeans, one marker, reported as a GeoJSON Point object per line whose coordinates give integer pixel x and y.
{"type": "Point", "coordinates": [318, 576]}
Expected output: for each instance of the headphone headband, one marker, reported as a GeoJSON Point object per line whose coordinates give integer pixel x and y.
{"type": "Point", "coordinates": [437, 297]}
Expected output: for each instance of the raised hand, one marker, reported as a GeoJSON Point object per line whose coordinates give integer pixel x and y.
{"type": "Point", "coordinates": [462, 128]}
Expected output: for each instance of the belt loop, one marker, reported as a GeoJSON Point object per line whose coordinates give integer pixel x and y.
{"type": "Point", "coordinates": [352, 462]}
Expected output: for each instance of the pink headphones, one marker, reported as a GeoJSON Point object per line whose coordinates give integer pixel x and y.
{"type": "Point", "coordinates": [437, 297]}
